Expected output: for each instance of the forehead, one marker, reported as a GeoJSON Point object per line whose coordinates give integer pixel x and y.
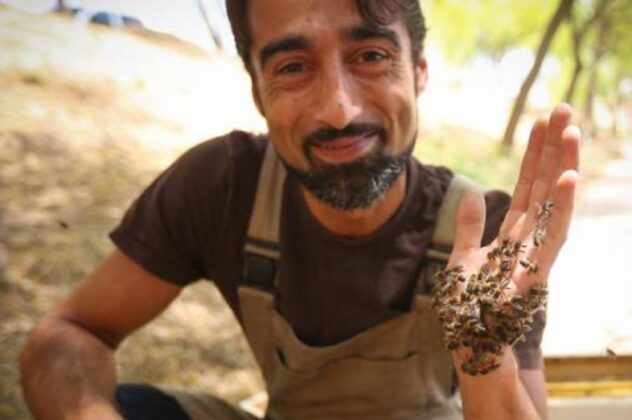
{"type": "Point", "coordinates": [270, 20]}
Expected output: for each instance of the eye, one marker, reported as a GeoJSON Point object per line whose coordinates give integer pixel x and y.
{"type": "Point", "coordinates": [292, 68]}
{"type": "Point", "coordinates": [372, 56]}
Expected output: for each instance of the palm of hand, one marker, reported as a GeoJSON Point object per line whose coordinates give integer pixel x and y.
{"type": "Point", "coordinates": [488, 295]}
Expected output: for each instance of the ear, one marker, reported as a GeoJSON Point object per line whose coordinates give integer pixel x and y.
{"type": "Point", "coordinates": [421, 75]}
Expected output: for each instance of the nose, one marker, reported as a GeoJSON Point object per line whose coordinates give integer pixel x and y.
{"type": "Point", "coordinates": [336, 105]}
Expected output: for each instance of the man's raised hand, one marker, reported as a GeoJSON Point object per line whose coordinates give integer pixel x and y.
{"type": "Point", "coordinates": [488, 295]}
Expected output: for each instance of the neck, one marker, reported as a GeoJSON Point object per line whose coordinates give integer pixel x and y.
{"type": "Point", "coordinates": [359, 222]}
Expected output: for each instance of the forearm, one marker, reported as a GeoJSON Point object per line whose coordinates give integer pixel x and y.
{"type": "Point", "coordinates": [68, 373]}
{"type": "Point", "coordinates": [497, 395]}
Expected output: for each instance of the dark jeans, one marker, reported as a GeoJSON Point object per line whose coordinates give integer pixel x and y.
{"type": "Point", "coordinates": [144, 402]}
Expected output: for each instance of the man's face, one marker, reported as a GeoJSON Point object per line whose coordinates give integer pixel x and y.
{"type": "Point", "coordinates": [338, 94]}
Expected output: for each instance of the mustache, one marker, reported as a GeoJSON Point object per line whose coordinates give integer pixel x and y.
{"type": "Point", "coordinates": [357, 129]}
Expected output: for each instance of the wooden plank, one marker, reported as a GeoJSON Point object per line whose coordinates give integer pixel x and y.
{"type": "Point", "coordinates": [589, 389]}
{"type": "Point", "coordinates": [588, 368]}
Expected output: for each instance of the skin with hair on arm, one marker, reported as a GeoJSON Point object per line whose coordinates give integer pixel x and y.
{"type": "Point", "coordinates": [67, 366]}
{"type": "Point", "coordinates": [549, 171]}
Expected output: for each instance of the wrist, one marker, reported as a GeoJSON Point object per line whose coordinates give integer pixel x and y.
{"type": "Point", "coordinates": [506, 362]}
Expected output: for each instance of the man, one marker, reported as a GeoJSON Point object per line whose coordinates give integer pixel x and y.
{"type": "Point", "coordinates": [322, 267]}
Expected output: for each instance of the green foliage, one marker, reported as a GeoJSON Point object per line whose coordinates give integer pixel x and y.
{"type": "Point", "coordinates": [464, 30]}
{"type": "Point", "coordinates": [470, 154]}
{"type": "Point", "coordinates": [483, 160]}
{"type": "Point", "coordinates": [615, 42]}
{"type": "Point", "coordinates": [491, 27]}
{"type": "Point", "coordinates": [620, 37]}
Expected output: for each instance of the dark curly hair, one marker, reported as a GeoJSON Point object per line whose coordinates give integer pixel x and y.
{"type": "Point", "coordinates": [377, 12]}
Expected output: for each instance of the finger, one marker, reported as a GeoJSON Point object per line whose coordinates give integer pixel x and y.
{"type": "Point", "coordinates": [563, 198]}
{"type": "Point", "coordinates": [571, 141]}
{"type": "Point", "coordinates": [470, 222]}
{"type": "Point", "coordinates": [548, 167]}
{"type": "Point", "coordinates": [528, 170]}
{"type": "Point", "coordinates": [559, 150]}
{"type": "Point", "coordinates": [529, 165]}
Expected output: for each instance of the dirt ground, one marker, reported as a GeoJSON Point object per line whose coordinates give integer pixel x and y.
{"type": "Point", "coordinates": [88, 116]}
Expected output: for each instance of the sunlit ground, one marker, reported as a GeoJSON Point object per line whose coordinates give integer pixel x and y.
{"type": "Point", "coordinates": [89, 115]}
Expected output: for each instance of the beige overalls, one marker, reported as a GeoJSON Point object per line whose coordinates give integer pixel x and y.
{"type": "Point", "coordinates": [397, 369]}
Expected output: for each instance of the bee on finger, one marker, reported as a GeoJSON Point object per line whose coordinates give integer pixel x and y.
{"type": "Point", "coordinates": [545, 210]}
{"type": "Point", "coordinates": [532, 267]}
{"type": "Point", "coordinates": [538, 236]}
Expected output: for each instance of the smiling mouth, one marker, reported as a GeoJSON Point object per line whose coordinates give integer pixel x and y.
{"type": "Point", "coordinates": [344, 149]}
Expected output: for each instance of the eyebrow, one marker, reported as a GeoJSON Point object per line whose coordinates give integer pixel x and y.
{"type": "Point", "coordinates": [364, 32]}
{"type": "Point", "coordinates": [355, 33]}
{"type": "Point", "coordinates": [289, 43]}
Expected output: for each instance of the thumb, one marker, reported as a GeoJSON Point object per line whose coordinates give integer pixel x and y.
{"type": "Point", "coordinates": [470, 222]}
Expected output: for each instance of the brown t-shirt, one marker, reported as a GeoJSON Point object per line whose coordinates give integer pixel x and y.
{"type": "Point", "coordinates": [191, 223]}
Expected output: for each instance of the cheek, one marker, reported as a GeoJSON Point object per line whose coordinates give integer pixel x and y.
{"type": "Point", "coordinates": [409, 117]}
{"type": "Point", "coordinates": [401, 111]}
{"type": "Point", "coordinates": [395, 100]}
{"type": "Point", "coordinates": [280, 105]}
{"type": "Point", "coordinates": [279, 110]}
{"type": "Point", "coordinates": [283, 115]}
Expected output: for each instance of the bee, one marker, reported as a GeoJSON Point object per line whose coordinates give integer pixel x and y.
{"type": "Point", "coordinates": [505, 265]}
{"type": "Point", "coordinates": [538, 236]}
{"type": "Point", "coordinates": [518, 248]}
{"type": "Point", "coordinates": [487, 288]}
{"type": "Point", "coordinates": [494, 253]}
{"type": "Point", "coordinates": [538, 291]}
{"type": "Point", "coordinates": [479, 330]}
{"type": "Point", "coordinates": [471, 288]}
{"type": "Point", "coordinates": [611, 352]}
{"type": "Point", "coordinates": [439, 276]}
{"type": "Point", "coordinates": [532, 267]}
{"type": "Point", "coordinates": [457, 269]}
{"type": "Point", "coordinates": [452, 345]}
{"type": "Point", "coordinates": [544, 212]}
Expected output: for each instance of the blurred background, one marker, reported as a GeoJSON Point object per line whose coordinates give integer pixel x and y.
{"type": "Point", "coordinates": [97, 97]}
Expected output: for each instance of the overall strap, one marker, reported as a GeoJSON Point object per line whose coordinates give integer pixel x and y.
{"type": "Point", "coordinates": [440, 248]}
{"type": "Point", "coordinates": [261, 250]}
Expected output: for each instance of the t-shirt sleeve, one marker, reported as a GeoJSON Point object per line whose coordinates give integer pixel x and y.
{"type": "Point", "coordinates": [164, 227]}
{"type": "Point", "coordinates": [528, 352]}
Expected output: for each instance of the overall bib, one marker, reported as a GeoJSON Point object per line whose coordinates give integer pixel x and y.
{"type": "Point", "coordinates": [397, 369]}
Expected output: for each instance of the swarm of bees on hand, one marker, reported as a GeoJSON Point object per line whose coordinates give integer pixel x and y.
{"type": "Point", "coordinates": [479, 312]}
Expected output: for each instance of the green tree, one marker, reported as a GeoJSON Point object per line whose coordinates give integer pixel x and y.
{"type": "Point", "coordinates": [563, 10]}
{"type": "Point", "coordinates": [580, 27]}
{"type": "Point", "coordinates": [610, 61]}
{"type": "Point", "coordinates": [490, 27]}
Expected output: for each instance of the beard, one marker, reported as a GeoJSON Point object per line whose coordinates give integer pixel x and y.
{"type": "Point", "coordinates": [352, 185]}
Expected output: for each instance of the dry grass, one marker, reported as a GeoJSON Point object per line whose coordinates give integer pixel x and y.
{"type": "Point", "coordinates": [83, 128]}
